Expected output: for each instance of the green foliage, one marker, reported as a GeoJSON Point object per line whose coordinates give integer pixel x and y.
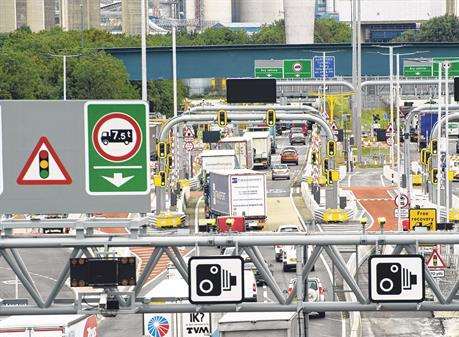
{"type": "Point", "coordinates": [160, 95]}
{"type": "Point", "coordinates": [270, 34]}
{"type": "Point", "coordinates": [327, 30]}
{"type": "Point", "coordinates": [440, 29]}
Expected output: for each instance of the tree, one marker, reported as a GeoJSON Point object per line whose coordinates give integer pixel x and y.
{"type": "Point", "coordinates": [440, 29]}
{"type": "Point", "coordinates": [161, 97]}
{"type": "Point", "coordinates": [99, 76]}
{"type": "Point", "coordinates": [270, 34]}
{"type": "Point", "coordinates": [328, 30]}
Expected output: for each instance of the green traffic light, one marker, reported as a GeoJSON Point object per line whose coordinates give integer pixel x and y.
{"type": "Point", "coordinates": [44, 174]}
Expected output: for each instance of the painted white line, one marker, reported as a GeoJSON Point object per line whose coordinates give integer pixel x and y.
{"type": "Point", "coordinates": [382, 180]}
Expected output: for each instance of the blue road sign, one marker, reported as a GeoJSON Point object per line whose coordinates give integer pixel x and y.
{"type": "Point", "coordinates": [329, 66]}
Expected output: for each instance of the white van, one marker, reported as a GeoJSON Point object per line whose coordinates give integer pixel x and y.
{"type": "Point", "coordinates": [250, 284]}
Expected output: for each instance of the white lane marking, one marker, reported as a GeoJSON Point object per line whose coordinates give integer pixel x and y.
{"type": "Point", "coordinates": [325, 263]}
{"type": "Point", "coordinates": [382, 180]}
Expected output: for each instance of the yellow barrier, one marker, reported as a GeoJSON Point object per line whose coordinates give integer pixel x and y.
{"type": "Point", "coordinates": [416, 179]}
{"type": "Point", "coordinates": [184, 183]}
{"type": "Point", "coordinates": [168, 220]}
{"type": "Point", "coordinates": [335, 215]}
{"type": "Point", "coordinates": [454, 214]}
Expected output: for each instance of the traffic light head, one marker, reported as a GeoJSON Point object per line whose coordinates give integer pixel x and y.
{"type": "Point", "coordinates": [162, 177]}
{"type": "Point", "coordinates": [44, 164]}
{"type": "Point", "coordinates": [169, 162]}
{"type": "Point", "coordinates": [330, 177]}
{"type": "Point", "coordinates": [314, 157]}
{"type": "Point", "coordinates": [222, 118]}
{"type": "Point", "coordinates": [162, 150]}
{"type": "Point", "coordinates": [325, 164]}
{"type": "Point", "coordinates": [434, 146]}
{"type": "Point", "coordinates": [271, 117]}
{"type": "Point", "coordinates": [331, 148]}
{"type": "Point", "coordinates": [434, 176]}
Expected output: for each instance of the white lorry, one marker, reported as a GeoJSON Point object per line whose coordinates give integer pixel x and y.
{"type": "Point", "coordinates": [213, 160]}
{"type": "Point", "coordinates": [245, 324]}
{"type": "Point", "coordinates": [261, 144]}
{"type": "Point", "coordinates": [242, 147]}
{"type": "Point", "coordinates": [238, 193]}
{"type": "Point", "coordinates": [49, 326]}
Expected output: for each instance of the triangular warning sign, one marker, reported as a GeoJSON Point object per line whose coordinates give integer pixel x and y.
{"type": "Point", "coordinates": [436, 261]}
{"type": "Point", "coordinates": [44, 167]}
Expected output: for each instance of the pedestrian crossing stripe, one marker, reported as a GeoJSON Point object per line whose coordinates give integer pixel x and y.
{"type": "Point", "coordinates": [375, 199]}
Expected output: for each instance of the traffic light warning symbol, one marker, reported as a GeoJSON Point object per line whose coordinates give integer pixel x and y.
{"type": "Point", "coordinates": [44, 167]}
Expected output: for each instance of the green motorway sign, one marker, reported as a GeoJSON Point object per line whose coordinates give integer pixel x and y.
{"type": "Point", "coordinates": [453, 69]}
{"type": "Point", "coordinates": [117, 154]}
{"type": "Point", "coordinates": [417, 71]}
{"type": "Point", "coordinates": [268, 72]}
{"type": "Point", "coordinates": [297, 69]}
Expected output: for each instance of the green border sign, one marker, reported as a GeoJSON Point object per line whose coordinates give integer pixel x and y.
{"type": "Point", "coordinates": [298, 68]}
{"type": "Point", "coordinates": [116, 148]}
{"type": "Point", "coordinates": [269, 72]}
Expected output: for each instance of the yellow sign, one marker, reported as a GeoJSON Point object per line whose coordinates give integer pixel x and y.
{"type": "Point", "coordinates": [423, 217]}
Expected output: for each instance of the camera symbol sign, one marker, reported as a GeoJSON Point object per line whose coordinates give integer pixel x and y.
{"type": "Point", "coordinates": [216, 279]}
{"type": "Point", "coordinates": [396, 278]}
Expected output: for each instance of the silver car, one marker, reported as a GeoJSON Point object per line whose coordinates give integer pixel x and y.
{"type": "Point", "coordinates": [297, 138]}
{"type": "Point", "coordinates": [280, 171]}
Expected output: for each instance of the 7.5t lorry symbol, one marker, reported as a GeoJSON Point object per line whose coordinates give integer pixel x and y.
{"type": "Point", "coordinates": [117, 136]}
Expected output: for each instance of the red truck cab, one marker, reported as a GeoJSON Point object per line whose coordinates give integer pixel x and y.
{"type": "Point", "coordinates": [230, 223]}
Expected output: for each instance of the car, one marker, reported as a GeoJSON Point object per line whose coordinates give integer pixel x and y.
{"type": "Point", "coordinates": [230, 251]}
{"type": "Point", "coordinates": [316, 291]}
{"type": "Point", "coordinates": [280, 171]}
{"type": "Point", "coordinates": [289, 258]}
{"type": "Point", "coordinates": [258, 276]}
{"type": "Point", "coordinates": [289, 156]}
{"type": "Point", "coordinates": [250, 284]}
{"type": "Point", "coordinates": [297, 138]}
{"type": "Point", "coordinates": [278, 248]}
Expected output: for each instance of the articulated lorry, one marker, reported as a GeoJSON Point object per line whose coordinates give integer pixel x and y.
{"type": "Point", "coordinates": [213, 160]}
{"type": "Point", "coordinates": [261, 144]}
{"type": "Point", "coordinates": [49, 326]}
{"type": "Point", "coordinates": [237, 193]}
{"type": "Point", "coordinates": [242, 147]}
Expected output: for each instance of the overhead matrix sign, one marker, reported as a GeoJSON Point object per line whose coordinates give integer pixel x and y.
{"type": "Point", "coordinates": [74, 157]}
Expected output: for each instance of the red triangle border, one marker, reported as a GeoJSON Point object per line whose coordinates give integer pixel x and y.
{"type": "Point", "coordinates": [43, 140]}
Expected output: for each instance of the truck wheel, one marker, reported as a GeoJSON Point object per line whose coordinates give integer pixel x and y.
{"type": "Point", "coordinates": [284, 268]}
{"type": "Point", "coordinates": [321, 314]}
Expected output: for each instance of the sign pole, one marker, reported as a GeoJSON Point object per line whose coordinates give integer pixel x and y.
{"type": "Point", "coordinates": [399, 172]}
{"type": "Point", "coordinates": [440, 66]}
{"type": "Point", "coordinates": [391, 99]}
{"type": "Point", "coordinates": [447, 191]}
{"type": "Point", "coordinates": [323, 81]}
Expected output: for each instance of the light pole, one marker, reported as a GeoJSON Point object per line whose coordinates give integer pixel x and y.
{"type": "Point", "coordinates": [64, 72]}
{"type": "Point", "coordinates": [143, 33]}
{"type": "Point", "coordinates": [324, 76]}
{"type": "Point", "coordinates": [440, 66]}
{"type": "Point", "coordinates": [391, 97]}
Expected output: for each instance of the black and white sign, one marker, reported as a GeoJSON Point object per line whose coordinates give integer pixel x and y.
{"type": "Point", "coordinates": [402, 200]}
{"type": "Point", "coordinates": [396, 278]}
{"type": "Point", "coordinates": [216, 279]}
{"type": "Point", "coordinates": [196, 324]}
{"type": "Point", "coordinates": [403, 213]}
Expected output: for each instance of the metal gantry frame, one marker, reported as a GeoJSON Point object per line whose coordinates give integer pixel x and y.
{"type": "Point", "coordinates": [236, 117]}
{"type": "Point", "coordinates": [131, 301]}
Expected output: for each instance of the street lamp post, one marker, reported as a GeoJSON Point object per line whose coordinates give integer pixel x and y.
{"type": "Point", "coordinates": [64, 72]}
{"type": "Point", "coordinates": [143, 33]}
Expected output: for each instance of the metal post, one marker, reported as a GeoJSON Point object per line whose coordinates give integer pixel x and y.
{"type": "Point", "coordinates": [323, 83]}
{"type": "Point", "coordinates": [64, 77]}
{"type": "Point", "coordinates": [391, 102]}
{"type": "Point", "coordinates": [399, 154]}
{"type": "Point", "coordinates": [143, 33]}
{"type": "Point", "coordinates": [174, 66]}
{"type": "Point", "coordinates": [440, 66]}
{"type": "Point", "coordinates": [447, 191]}
{"type": "Point", "coordinates": [358, 134]}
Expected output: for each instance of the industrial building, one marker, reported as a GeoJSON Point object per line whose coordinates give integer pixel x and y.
{"type": "Point", "coordinates": [80, 14]}
{"type": "Point", "coordinates": [36, 14]}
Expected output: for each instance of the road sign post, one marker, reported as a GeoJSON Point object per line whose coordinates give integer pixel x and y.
{"type": "Point", "coordinates": [396, 278]}
{"type": "Point", "coordinates": [117, 148]}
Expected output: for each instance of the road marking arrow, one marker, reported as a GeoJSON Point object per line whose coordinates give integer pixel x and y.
{"type": "Point", "coordinates": [118, 179]}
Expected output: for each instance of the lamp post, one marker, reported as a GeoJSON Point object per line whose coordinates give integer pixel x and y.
{"type": "Point", "coordinates": [64, 72]}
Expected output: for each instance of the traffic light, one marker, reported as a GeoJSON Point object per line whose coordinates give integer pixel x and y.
{"type": "Point", "coordinates": [434, 146]}
{"type": "Point", "coordinates": [222, 118]}
{"type": "Point", "coordinates": [325, 164]}
{"type": "Point", "coordinates": [169, 162]}
{"type": "Point", "coordinates": [162, 177]}
{"type": "Point", "coordinates": [314, 158]}
{"type": "Point", "coordinates": [331, 148]}
{"type": "Point", "coordinates": [425, 155]}
{"type": "Point", "coordinates": [162, 150]}
{"type": "Point", "coordinates": [44, 164]}
{"type": "Point", "coordinates": [271, 117]}
{"type": "Point", "coordinates": [329, 177]}
{"type": "Point", "coordinates": [433, 176]}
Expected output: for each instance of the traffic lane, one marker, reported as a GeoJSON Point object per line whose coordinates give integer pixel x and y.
{"type": "Point", "coordinates": [378, 203]}
{"type": "Point", "coordinates": [365, 177]}
{"type": "Point", "coordinates": [44, 265]}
